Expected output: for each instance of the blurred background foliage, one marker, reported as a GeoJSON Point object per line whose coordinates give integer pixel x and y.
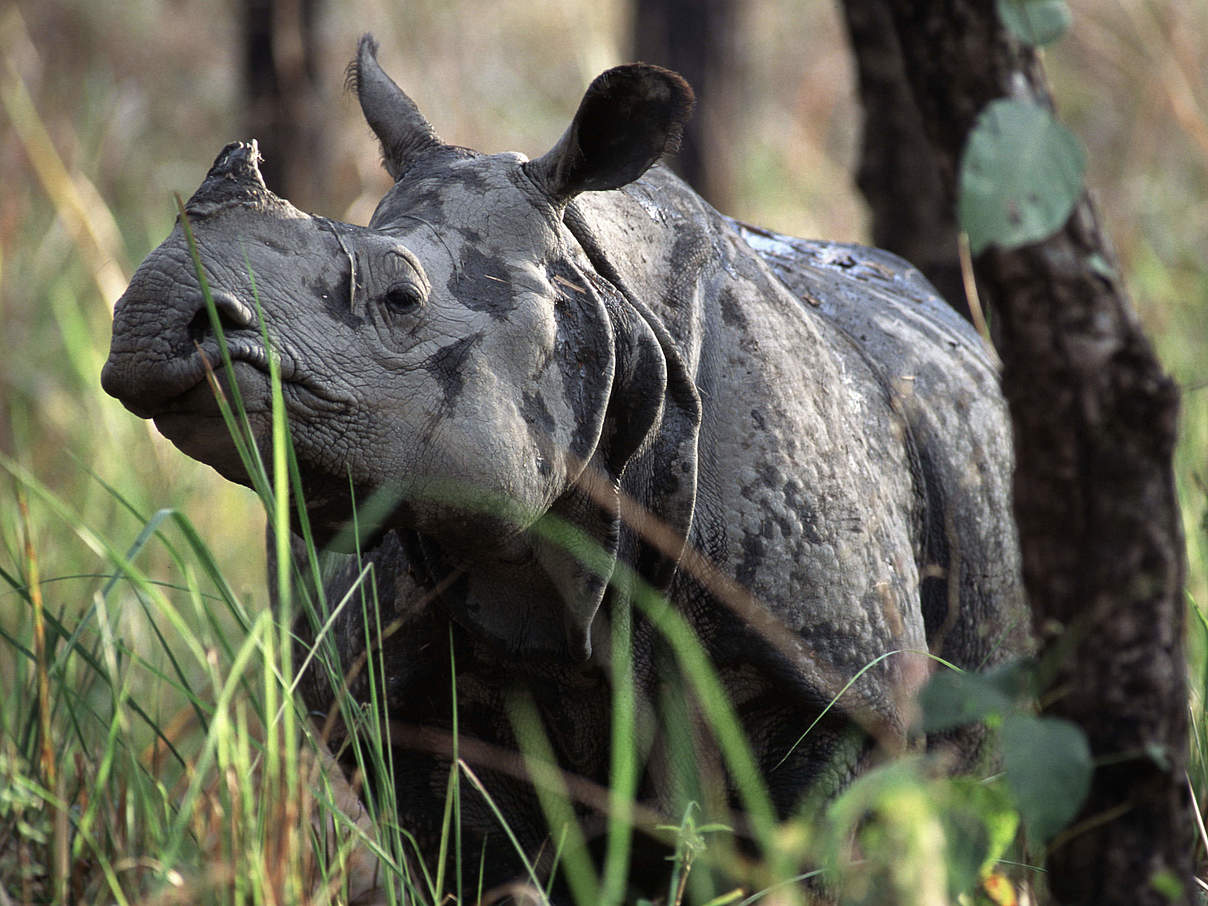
{"type": "Point", "coordinates": [110, 109]}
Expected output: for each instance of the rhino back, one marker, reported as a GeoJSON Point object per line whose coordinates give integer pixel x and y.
{"type": "Point", "coordinates": [943, 381]}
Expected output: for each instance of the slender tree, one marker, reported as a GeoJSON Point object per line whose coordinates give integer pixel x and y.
{"type": "Point", "coordinates": [1094, 422]}
{"type": "Point", "coordinates": [699, 40]}
{"type": "Point", "coordinates": [283, 111]}
{"type": "Point", "coordinates": [911, 215]}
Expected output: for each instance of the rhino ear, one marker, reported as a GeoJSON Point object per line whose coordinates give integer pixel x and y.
{"type": "Point", "coordinates": [630, 117]}
{"type": "Point", "coordinates": [403, 131]}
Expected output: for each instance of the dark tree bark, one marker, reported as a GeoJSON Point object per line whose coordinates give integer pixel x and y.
{"type": "Point", "coordinates": [283, 112]}
{"type": "Point", "coordinates": [897, 172]}
{"type": "Point", "coordinates": [698, 39]}
{"type": "Point", "coordinates": [1094, 424]}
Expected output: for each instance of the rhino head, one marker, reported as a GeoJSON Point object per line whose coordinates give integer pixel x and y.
{"type": "Point", "coordinates": [460, 355]}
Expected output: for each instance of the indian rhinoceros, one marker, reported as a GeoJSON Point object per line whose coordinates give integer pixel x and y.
{"type": "Point", "coordinates": [571, 380]}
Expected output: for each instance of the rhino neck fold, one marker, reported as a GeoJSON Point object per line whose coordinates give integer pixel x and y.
{"type": "Point", "coordinates": [679, 382]}
{"type": "Point", "coordinates": [682, 418]}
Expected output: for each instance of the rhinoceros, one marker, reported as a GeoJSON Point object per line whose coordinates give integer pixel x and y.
{"type": "Point", "coordinates": [573, 389]}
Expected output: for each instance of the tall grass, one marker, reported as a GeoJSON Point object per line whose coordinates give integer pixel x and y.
{"type": "Point", "coordinates": [218, 787]}
{"type": "Point", "coordinates": [182, 770]}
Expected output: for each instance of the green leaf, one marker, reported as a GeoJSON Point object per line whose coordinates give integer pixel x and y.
{"type": "Point", "coordinates": [1020, 175]}
{"type": "Point", "coordinates": [1016, 678]}
{"type": "Point", "coordinates": [1048, 764]}
{"type": "Point", "coordinates": [1167, 883]}
{"type": "Point", "coordinates": [951, 699]}
{"type": "Point", "coordinates": [992, 805]}
{"type": "Point", "coordinates": [980, 822]}
{"type": "Point", "coordinates": [1035, 22]}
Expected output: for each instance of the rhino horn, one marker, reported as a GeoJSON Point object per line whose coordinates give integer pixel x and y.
{"type": "Point", "coordinates": [234, 178]}
{"type": "Point", "coordinates": [403, 131]}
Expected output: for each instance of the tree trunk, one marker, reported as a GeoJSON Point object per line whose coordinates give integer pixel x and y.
{"type": "Point", "coordinates": [283, 112]}
{"type": "Point", "coordinates": [698, 39]}
{"type": "Point", "coordinates": [911, 213]}
{"type": "Point", "coordinates": [1094, 422]}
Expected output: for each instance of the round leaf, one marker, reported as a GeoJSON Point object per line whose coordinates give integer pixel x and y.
{"type": "Point", "coordinates": [1049, 767]}
{"type": "Point", "coordinates": [1020, 175]}
{"type": "Point", "coordinates": [951, 699]}
{"type": "Point", "coordinates": [1035, 22]}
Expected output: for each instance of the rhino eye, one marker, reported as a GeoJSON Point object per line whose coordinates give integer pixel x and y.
{"type": "Point", "coordinates": [403, 298]}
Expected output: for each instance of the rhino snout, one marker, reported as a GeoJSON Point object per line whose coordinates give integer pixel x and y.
{"type": "Point", "coordinates": [159, 350]}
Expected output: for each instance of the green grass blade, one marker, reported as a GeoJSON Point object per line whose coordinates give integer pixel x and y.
{"type": "Point", "coordinates": [499, 816]}
{"type": "Point", "coordinates": [554, 798]}
{"type": "Point", "coordinates": [623, 768]}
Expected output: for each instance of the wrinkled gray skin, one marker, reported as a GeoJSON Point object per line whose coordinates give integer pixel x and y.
{"type": "Point", "coordinates": [514, 345]}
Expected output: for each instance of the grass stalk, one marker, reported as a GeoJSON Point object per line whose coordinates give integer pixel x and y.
{"type": "Point", "coordinates": [623, 774]}
{"type": "Point", "coordinates": [503, 823]}
{"type": "Point", "coordinates": [554, 798]}
{"type": "Point", "coordinates": [49, 771]}
{"type": "Point", "coordinates": [77, 203]}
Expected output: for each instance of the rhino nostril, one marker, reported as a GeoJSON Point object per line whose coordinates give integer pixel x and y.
{"type": "Point", "coordinates": [232, 315]}
{"type": "Point", "coordinates": [200, 327]}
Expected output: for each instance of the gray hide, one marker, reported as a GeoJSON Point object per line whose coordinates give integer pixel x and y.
{"type": "Point", "coordinates": [796, 442]}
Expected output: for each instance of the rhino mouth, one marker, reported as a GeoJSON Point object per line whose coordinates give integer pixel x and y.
{"type": "Point", "coordinates": [183, 395]}
{"type": "Point", "coordinates": [167, 382]}
{"type": "Point", "coordinates": [185, 390]}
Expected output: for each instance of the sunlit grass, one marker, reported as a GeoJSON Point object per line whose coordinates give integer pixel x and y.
{"type": "Point", "coordinates": [217, 790]}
